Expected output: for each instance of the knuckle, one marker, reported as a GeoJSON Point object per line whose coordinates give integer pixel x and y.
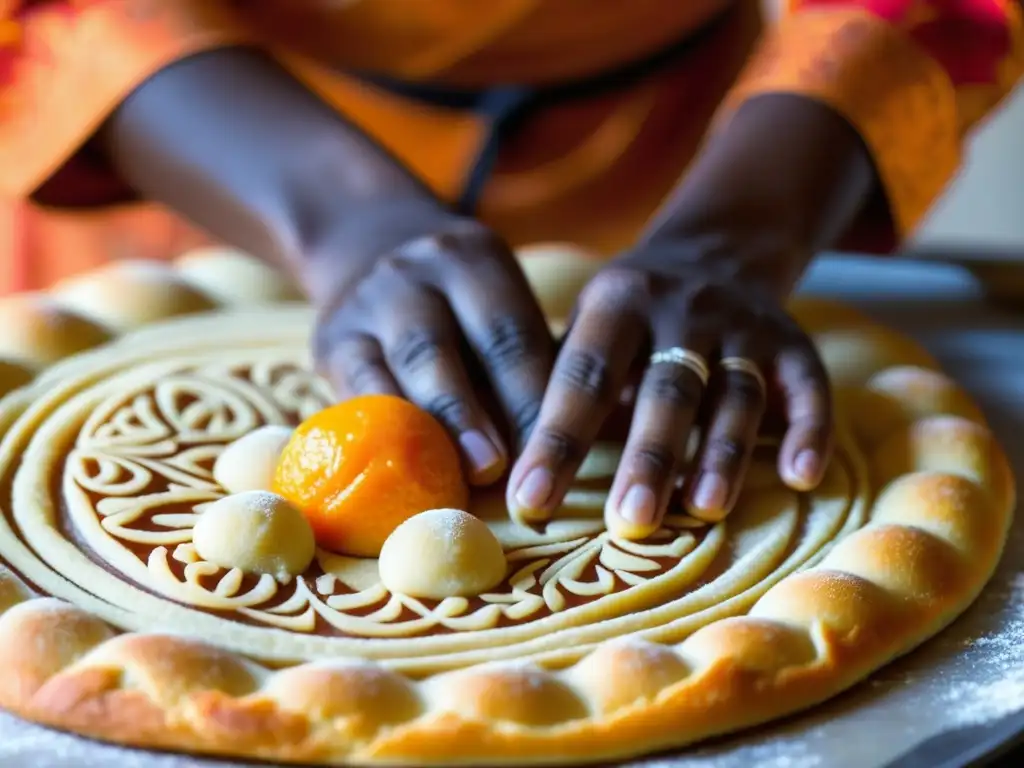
{"type": "Point", "coordinates": [416, 348]}
{"type": "Point", "coordinates": [560, 446]}
{"type": "Point", "coordinates": [615, 288]}
{"type": "Point", "coordinates": [462, 241]}
{"type": "Point", "coordinates": [450, 410]}
{"type": "Point", "coordinates": [586, 372]}
{"type": "Point", "coordinates": [653, 460]}
{"type": "Point", "coordinates": [391, 265]}
{"type": "Point", "coordinates": [524, 418]}
{"type": "Point", "coordinates": [364, 374]}
{"type": "Point", "coordinates": [675, 385]}
{"type": "Point", "coordinates": [726, 452]}
{"type": "Point", "coordinates": [509, 342]}
{"type": "Point", "coordinates": [744, 390]}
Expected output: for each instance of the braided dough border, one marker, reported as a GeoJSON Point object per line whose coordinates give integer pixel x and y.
{"type": "Point", "coordinates": [934, 538]}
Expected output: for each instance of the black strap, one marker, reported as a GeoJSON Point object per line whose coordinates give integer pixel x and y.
{"type": "Point", "coordinates": [506, 106]}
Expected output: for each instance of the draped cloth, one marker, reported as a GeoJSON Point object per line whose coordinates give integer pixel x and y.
{"type": "Point", "coordinates": [913, 77]}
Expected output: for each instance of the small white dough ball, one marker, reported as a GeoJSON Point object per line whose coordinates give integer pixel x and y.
{"type": "Point", "coordinates": [37, 331]}
{"type": "Point", "coordinates": [248, 464]}
{"type": "Point", "coordinates": [256, 532]}
{"type": "Point", "coordinates": [557, 272]}
{"type": "Point", "coordinates": [127, 294]}
{"type": "Point", "coordinates": [235, 277]}
{"type": "Point", "coordinates": [442, 553]}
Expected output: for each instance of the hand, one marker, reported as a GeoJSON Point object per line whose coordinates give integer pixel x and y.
{"type": "Point", "coordinates": [658, 298]}
{"type": "Point", "coordinates": [433, 307]}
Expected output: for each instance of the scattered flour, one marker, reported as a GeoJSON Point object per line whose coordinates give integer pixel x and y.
{"type": "Point", "coordinates": [778, 752]}
{"type": "Point", "coordinates": [994, 686]}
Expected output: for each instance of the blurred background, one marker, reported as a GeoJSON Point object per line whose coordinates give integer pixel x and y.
{"type": "Point", "coordinates": [986, 205]}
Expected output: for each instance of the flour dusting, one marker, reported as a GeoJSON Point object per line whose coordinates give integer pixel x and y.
{"type": "Point", "coordinates": [998, 688]}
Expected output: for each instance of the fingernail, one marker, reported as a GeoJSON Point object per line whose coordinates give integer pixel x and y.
{"type": "Point", "coordinates": [481, 452]}
{"type": "Point", "coordinates": [710, 492]}
{"type": "Point", "coordinates": [806, 466]}
{"type": "Point", "coordinates": [639, 505]}
{"type": "Point", "coordinates": [535, 489]}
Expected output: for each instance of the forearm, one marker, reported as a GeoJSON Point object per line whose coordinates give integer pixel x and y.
{"type": "Point", "coordinates": [231, 141]}
{"type": "Point", "coordinates": [786, 175]}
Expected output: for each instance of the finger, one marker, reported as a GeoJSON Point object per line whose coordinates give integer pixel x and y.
{"type": "Point", "coordinates": [729, 441]}
{"type": "Point", "coordinates": [355, 365]}
{"type": "Point", "coordinates": [807, 443]}
{"type": "Point", "coordinates": [667, 402]}
{"type": "Point", "coordinates": [588, 374]}
{"type": "Point", "coordinates": [506, 330]}
{"type": "Point", "coordinates": [422, 350]}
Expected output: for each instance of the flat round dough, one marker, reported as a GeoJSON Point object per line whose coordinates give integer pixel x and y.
{"type": "Point", "coordinates": [441, 553]}
{"type": "Point", "coordinates": [234, 278]}
{"type": "Point", "coordinates": [135, 588]}
{"type": "Point", "coordinates": [255, 532]}
{"type": "Point", "coordinates": [127, 294]}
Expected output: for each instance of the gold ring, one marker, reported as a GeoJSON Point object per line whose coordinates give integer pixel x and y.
{"type": "Point", "coordinates": [744, 365]}
{"type": "Point", "coordinates": [686, 358]}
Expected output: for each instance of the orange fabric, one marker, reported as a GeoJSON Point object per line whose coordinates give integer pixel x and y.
{"type": "Point", "coordinates": [590, 171]}
{"type": "Point", "coordinates": [912, 76]}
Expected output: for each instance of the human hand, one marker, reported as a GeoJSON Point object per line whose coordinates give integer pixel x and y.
{"type": "Point", "coordinates": [420, 303]}
{"type": "Point", "coordinates": [719, 310]}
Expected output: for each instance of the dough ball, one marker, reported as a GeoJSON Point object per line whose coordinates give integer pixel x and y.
{"type": "Point", "coordinates": [234, 277]}
{"type": "Point", "coordinates": [557, 272]}
{"type": "Point", "coordinates": [442, 553]}
{"type": "Point", "coordinates": [854, 355]}
{"type": "Point", "coordinates": [256, 532]}
{"type": "Point", "coordinates": [37, 330]}
{"type": "Point", "coordinates": [126, 294]}
{"type": "Point", "coordinates": [948, 444]}
{"type": "Point", "coordinates": [897, 397]}
{"type": "Point", "coordinates": [249, 463]}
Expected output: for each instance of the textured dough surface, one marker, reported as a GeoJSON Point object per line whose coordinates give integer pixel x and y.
{"type": "Point", "coordinates": [591, 649]}
{"type": "Point", "coordinates": [256, 532]}
{"type": "Point", "coordinates": [248, 463]}
{"type": "Point", "coordinates": [441, 553]}
{"type": "Point", "coordinates": [233, 278]}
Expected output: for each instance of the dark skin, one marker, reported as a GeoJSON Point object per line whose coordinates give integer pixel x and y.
{"type": "Point", "coordinates": [417, 301]}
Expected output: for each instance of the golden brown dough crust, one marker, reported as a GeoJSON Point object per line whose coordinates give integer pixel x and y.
{"type": "Point", "coordinates": [908, 530]}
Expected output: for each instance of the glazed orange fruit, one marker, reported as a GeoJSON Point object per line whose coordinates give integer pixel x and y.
{"type": "Point", "coordinates": [359, 469]}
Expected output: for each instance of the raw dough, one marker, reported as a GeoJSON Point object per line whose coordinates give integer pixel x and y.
{"type": "Point", "coordinates": [441, 553]}
{"type": "Point", "coordinates": [126, 294]}
{"type": "Point", "coordinates": [256, 532]}
{"type": "Point", "coordinates": [36, 330]}
{"type": "Point", "coordinates": [590, 649]}
{"type": "Point", "coordinates": [248, 463]}
{"type": "Point", "coordinates": [557, 272]}
{"type": "Point", "coordinates": [233, 277]}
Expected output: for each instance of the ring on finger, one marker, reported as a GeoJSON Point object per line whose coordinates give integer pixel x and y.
{"type": "Point", "coordinates": [744, 365]}
{"type": "Point", "coordinates": [686, 358]}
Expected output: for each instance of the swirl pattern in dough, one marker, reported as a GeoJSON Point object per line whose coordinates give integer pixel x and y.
{"type": "Point", "coordinates": [591, 648]}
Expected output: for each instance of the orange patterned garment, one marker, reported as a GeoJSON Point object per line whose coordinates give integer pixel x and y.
{"type": "Point", "coordinates": [913, 76]}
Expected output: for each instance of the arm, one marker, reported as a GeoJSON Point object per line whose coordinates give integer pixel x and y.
{"type": "Point", "coordinates": [845, 112]}
{"type": "Point", "coordinates": [185, 115]}
{"type": "Point", "coordinates": [65, 66]}
{"type": "Point", "coordinates": [101, 103]}
{"type": "Point", "coordinates": [850, 120]}
{"type": "Point", "coordinates": [263, 164]}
